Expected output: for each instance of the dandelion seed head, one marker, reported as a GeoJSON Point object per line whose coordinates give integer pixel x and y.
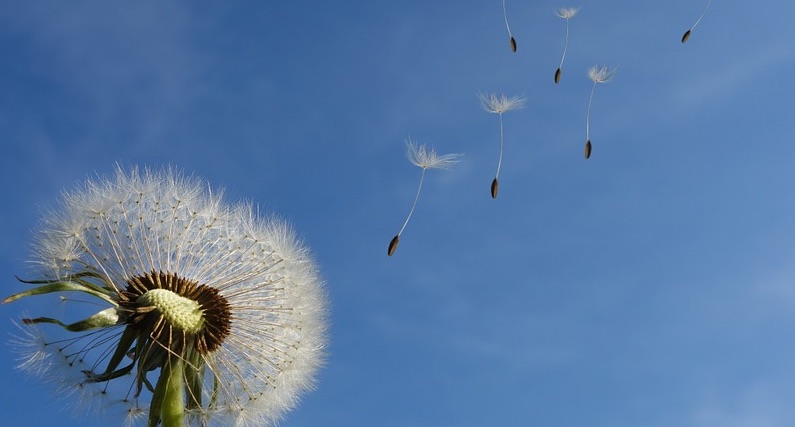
{"type": "Point", "coordinates": [567, 12]}
{"type": "Point", "coordinates": [426, 158]}
{"type": "Point", "coordinates": [601, 74]}
{"type": "Point", "coordinates": [500, 104]}
{"type": "Point", "coordinates": [262, 335]}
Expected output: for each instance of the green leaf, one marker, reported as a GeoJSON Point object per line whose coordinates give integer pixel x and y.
{"type": "Point", "coordinates": [125, 342]}
{"type": "Point", "coordinates": [103, 319]}
{"type": "Point", "coordinates": [168, 403]}
{"type": "Point", "coordinates": [216, 387]}
{"type": "Point", "coordinates": [194, 380]}
{"type": "Point", "coordinates": [151, 356]}
{"type": "Point", "coordinates": [80, 278]}
{"type": "Point", "coordinates": [107, 376]}
{"type": "Point", "coordinates": [65, 286]}
{"type": "Point", "coordinates": [156, 404]}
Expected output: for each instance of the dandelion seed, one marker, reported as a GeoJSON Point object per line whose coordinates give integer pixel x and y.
{"type": "Point", "coordinates": [686, 36]}
{"type": "Point", "coordinates": [597, 74]}
{"type": "Point", "coordinates": [425, 159]}
{"type": "Point", "coordinates": [212, 315]}
{"type": "Point", "coordinates": [393, 245]}
{"type": "Point", "coordinates": [495, 188]}
{"type": "Point", "coordinates": [498, 105]}
{"type": "Point", "coordinates": [508, 27]}
{"type": "Point", "coordinates": [565, 13]}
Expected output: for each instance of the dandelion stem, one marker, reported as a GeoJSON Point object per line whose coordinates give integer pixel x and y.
{"type": "Point", "coordinates": [173, 409]}
{"type": "Point", "coordinates": [414, 205]}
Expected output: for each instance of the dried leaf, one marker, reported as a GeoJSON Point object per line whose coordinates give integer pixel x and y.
{"type": "Point", "coordinates": [588, 149]}
{"type": "Point", "coordinates": [495, 187]}
{"type": "Point", "coordinates": [557, 76]}
{"type": "Point", "coordinates": [513, 44]}
{"type": "Point", "coordinates": [686, 36]}
{"type": "Point", "coordinates": [393, 245]}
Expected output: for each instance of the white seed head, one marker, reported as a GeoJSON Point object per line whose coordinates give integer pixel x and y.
{"type": "Point", "coordinates": [567, 12]}
{"type": "Point", "coordinates": [426, 158]}
{"type": "Point", "coordinates": [500, 104]}
{"type": "Point", "coordinates": [140, 222]}
{"type": "Point", "coordinates": [601, 74]}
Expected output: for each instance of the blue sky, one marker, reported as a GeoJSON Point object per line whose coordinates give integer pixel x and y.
{"type": "Point", "coordinates": [650, 285]}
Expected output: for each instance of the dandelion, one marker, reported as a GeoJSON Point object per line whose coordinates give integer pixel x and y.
{"type": "Point", "coordinates": [686, 36]}
{"type": "Point", "coordinates": [508, 27]}
{"type": "Point", "coordinates": [565, 13]}
{"type": "Point", "coordinates": [597, 74]}
{"type": "Point", "coordinates": [211, 314]}
{"type": "Point", "coordinates": [425, 159]}
{"type": "Point", "coordinates": [499, 105]}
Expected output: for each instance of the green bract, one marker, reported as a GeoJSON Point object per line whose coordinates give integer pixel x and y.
{"type": "Point", "coordinates": [182, 313]}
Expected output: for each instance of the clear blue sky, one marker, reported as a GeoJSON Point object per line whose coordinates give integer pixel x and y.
{"type": "Point", "coordinates": [649, 286]}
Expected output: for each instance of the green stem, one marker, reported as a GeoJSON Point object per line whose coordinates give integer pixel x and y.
{"type": "Point", "coordinates": [173, 409]}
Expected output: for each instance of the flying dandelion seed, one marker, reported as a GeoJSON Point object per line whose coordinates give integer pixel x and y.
{"type": "Point", "coordinates": [686, 36]}
{"type": "Point", "coordinates": [425, 159]}
{"type": "Point", "coordinates": [508, 27]}
{"type": "Point", "coordinates": [213, 316]}
{"type": "Point", "coordinates": [567, 14]}
{"type": "Point", "coordinates": [499, 105]}
{"type": "Point", "coordinates": [597, 74]}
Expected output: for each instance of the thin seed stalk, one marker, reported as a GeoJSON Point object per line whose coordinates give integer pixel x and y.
{"type": "Point", "coordinates": [588, 124]}
{"type": "Point", "coordinates": [686, 36]}
{"type": "Point", "coordinates": [563, 57]}
{"type": "Point", "coordinates": [413, 205]}
{"type": "Point", "coordinates": [393, 244]}
{"type": "Point", "coordinates": [588, 115]}
{"type": "Point", "coordinates": [508, 27]}
{"type": "Point", "coordinates": [700, 17]}
{"type": "Point", "coordinates": [502, 145]}
{"type": "Point", "coordinates": [495, 184]}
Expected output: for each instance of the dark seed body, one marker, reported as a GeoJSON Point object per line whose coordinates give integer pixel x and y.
{"type": "Point", "coordinates": [495, 188]}
{"type": "Point", "coordinates": [513, 44]}
{"type": "Point", "coordinates": [557, 76]}
{"type": "Point", "coordinates": [393, 245]}
{"type": "Point", "coordinates": [588, 149]}
{"type": "Point", "coordinates": [686, 36]}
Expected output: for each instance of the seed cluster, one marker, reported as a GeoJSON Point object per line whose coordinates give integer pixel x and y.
{"type": "Point", "coordinates": [214, 309]}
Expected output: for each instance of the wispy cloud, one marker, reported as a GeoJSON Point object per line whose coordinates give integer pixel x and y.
{"type": "Point", "coordinates": [132, 67]}
{"type": "Point", "coordinates": [708, 86]}
{"type": "Point", "coordinates": [759, 405]}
